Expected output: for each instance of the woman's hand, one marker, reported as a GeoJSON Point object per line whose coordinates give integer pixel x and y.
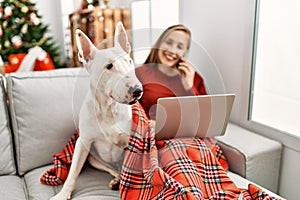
{"type": "Point", "coordinates": [187, 73]}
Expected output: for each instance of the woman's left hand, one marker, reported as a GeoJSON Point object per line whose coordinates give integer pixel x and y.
{"type": "Point", "coordinates": [187, 73]}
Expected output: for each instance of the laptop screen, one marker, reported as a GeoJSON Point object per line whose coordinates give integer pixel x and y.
{"type": "Point", "coordinates": [193, 116]}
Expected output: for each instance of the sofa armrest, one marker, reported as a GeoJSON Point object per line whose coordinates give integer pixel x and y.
{"type": "Point", "coordinates": [252, 156]}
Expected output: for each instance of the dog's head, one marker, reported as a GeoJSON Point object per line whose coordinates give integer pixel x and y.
{"type": "Point", "coordinates": [111, 70]}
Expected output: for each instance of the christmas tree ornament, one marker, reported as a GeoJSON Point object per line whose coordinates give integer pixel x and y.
{"type": "Point", "coordinates": [6, 44]}
{"type": "Point", "coordinates": [17, 41]}
{"type": "Point", "coordinates": [7, 12]}
{"type": "Point", "coordinates": [24, 9]}
{"type": "Point", "coordinates": [24, 29]}
{"type": "Point", "coordinates": [17, 20]}
{"type": "Point", "coordinates": [34, 19]}
{"type": "Point", "coordinates": [4, 24]}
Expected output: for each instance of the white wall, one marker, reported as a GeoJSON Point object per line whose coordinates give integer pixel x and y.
{"type": "Point", "coordinates": [52, 15]}
{"type": "Point", "coordinates": [225, 29]}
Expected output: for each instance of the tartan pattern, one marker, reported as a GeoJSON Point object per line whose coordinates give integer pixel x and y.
{"type": "Point", "coordinates": [185, 168]}
{"type": "Point", "coordinates": [178, 169]}
{"type": "Point", "coordinates": [62, 163]}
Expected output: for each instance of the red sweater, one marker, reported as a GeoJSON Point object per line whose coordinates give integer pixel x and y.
{"type": "Point", "coordinates": [157, 85]}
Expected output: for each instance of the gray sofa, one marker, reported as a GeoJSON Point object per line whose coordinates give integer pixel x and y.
{"type": "Point", "coordinates": [42, 114]}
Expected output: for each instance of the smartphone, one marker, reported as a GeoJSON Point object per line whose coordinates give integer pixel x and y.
{"type": "Point", "coordinates": [177, 65]}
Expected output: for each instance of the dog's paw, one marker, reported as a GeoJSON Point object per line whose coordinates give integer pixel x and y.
{"type": "Point", "coordinates": [115, 183]}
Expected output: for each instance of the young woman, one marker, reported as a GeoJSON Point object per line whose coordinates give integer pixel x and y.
{"type": "Point", "coordinates": [166, 73]}
{"type": "Point", "coordinates": [178, 168]}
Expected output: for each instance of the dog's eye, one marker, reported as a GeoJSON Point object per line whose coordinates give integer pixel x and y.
{"type": "Point", "coordinates": [109, 66]}
{"type": "Point", "coordinates": [130, 61]}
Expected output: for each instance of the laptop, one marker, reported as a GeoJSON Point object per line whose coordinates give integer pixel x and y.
{"type": "Point", "coordinates": [193, 116]}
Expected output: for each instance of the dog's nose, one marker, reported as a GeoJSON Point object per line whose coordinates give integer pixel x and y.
{"type": "Point", "coordinates": [136, 91]}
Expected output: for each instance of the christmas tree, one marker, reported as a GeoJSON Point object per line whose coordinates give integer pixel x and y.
{"type": "Point", "coordinates": [21, 28]}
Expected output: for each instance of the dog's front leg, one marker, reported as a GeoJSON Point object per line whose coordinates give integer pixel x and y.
{"type": "Point", "coordinates": [80, 154]}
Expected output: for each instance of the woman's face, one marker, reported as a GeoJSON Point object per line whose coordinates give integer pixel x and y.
{"type": "Point", "coordinates": [173, 47]}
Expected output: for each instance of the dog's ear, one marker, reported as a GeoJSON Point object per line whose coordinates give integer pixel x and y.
{"type": "Point", "coordinates": [121, 38]}
{"type": "Point", "coordinates": [86, 49]}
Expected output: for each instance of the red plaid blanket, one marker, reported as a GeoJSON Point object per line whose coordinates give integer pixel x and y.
{"type": "Point", "coordinates": [62, 163]}
{"type": "Point", "coordinates": [183, 168]}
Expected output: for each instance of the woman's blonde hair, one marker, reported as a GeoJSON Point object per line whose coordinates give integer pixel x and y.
{"type": "Point", "coordinates": [153, 55]}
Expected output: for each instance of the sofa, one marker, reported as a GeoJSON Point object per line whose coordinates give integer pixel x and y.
{"type": "Point", "coordinates": [39, 113]}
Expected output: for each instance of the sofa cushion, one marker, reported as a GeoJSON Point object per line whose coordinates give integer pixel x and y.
{"type": "Point", "coordinates": [7, 164]}
{"type": "Point", "coordinates": [44, 112]}
{"type": "Point", "coordinates": [12, 188]}
{"type": "Point", "coordinates": [91, 184]}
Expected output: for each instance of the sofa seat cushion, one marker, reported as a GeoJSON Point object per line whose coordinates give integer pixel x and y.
{"type": "Point", "coordinates": [91, 184]}
{"type": "Point", "coordinates": [12, 187]}
{"type": "Point", "coordinates": [7, 165]}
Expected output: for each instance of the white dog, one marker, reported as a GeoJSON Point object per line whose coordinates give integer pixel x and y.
{"type": "Point", "coordinates": [105, 116]}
